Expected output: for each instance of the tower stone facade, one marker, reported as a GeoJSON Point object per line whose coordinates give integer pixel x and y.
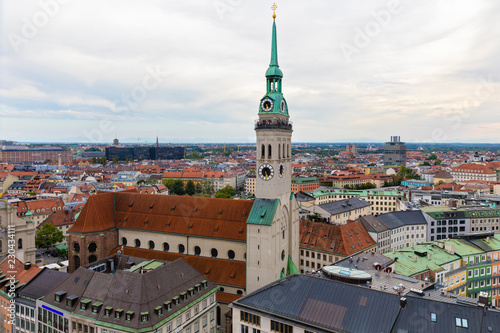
{"type": "Point", "coordinates": [272, 242]}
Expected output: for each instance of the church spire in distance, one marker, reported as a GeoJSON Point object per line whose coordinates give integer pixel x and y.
{"type": "Point", "coordinates": [274, 69]}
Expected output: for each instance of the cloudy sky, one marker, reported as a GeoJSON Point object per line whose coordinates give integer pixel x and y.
{"type": "Point", "coordinates": [193, 71]}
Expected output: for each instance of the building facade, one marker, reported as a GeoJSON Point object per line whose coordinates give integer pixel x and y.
{"type": "Point", "coordinates": [395, 152]}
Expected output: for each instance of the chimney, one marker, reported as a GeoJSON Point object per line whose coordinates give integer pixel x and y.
{"type": "Point", "coordinates": [402, 302]}
{"type": "Point", "coordinates": [27, 265]}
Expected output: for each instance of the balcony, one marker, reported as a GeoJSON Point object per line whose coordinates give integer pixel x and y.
{"type": "Point", "coordinates": [273, 124]}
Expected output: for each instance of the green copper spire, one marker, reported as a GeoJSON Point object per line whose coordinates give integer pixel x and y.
{"type": "Point", "coordinates": [274, 68]}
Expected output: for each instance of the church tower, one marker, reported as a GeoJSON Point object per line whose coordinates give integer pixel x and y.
{"type": "Point", "coordinates": [272, 227]}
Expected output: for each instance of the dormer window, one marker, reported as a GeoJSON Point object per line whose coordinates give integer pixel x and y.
{"type": "Point", "coordinates": [168, 305]}
{"type": "Point", "coordinates": [71, 300]}
{"type": "Point", "coordinates": [59, 295]}
{"type": "Point", "coordinates": [144, 316]}
{"type": "Point", "coordinates": [129, 315]}
{"type": "Point", "coordinates": [183, 296]}
{"type": "Point", "coordinates": [191, 291]}
{"type": "Point", "coordinates": [96, 307]}
{"type": "Point", "coordinates": [204, 283]}
{"type": "Point", "coordinates": [84, 304]}
{"type": "Point", "coordinates": [118, 313]}
{"type": "Point", "coordinates": [197, 287]}
{"type": "Point", "coordinates": [175, 300]}
{"type": "Point", "coordinates": [108, 310]}
{"type": "Point", "coordinates": [159, 310]}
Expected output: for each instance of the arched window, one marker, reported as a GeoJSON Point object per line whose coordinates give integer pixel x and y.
{"type": "Point", "coordinates": [214, 253]}
{"type": "Point", "coordinates": [284, 151]}
{"type": "Point", "coordinates": [181, 248]}
{"type": "Point", "coordinates": [231, 254]}
{"type": "Point", "coordinates": [288, 151]}
{"type": "Point", "coordinates": [283, 255]}
{"type": "Point", "coordinates": [92, 259]}
{"type": "Point", "coordinates": [263, 151]}
{"type": "Point", "coordinates": [137, 243]}
{"type": "Point", "coordinates": [151, 245]}
{"type": "Point", "coordinates": [76, 247]}
{"type": "Point", "coordinates": [269, 152]}
{"type": "Point", "coordinates": [124, 241]}
{"type": "Point", "coordinates": [279, 151]}
{"type": "Point", "coordinates": [283, 271]}
{"type": "Point", "coordinates": [197, 250]}
{"type": "Point", "coordinates": [92, 247]}
{"type": "Point", "coordinates": [239, 292]}
{"type": "Point", "coordinates": [19, 243]}
{"type": "Point", "coordinates": [166, 247]}
{"type": "Point", "coordinates": [76, 259]}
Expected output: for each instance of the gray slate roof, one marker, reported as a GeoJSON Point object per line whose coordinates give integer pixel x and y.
{"type": "Point", "coordinates": [324, 305]}
{"type": "Point", "coordinates": [43, 283]}
{"type": "Point", "coordinates": [130, 291]}
{"type": "Point", "coordinates": [342, 206]}
{"type": "Point", "coordinates": [395, 220]}
{"type": "Point", "coordinates": [372, 224]}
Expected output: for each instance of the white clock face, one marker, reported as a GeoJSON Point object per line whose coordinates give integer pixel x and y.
{"type": "Point", "coordinates": [267, 104]}
{"type": "Point", "coordinates": [282, 106]}
{"type": "Point", "coordinates": [266, 171]}
{"type": "Point", "coordinates": [281, 170]}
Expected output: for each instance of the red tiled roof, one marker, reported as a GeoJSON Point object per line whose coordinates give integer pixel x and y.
{"type": "Point", "coordinates": [220, 271]}
{"type": "Point", "coordinates": [344, 239]}
{"type": "Point", "coordinates": [227, 298]}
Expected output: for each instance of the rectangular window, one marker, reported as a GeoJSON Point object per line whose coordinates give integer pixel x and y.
{"type": "Point", "coordinates": [244, 328]}
{"type": "Point", "coordinates": [433, 317]}
{"type": "Point", "coordinates": [276, 326]}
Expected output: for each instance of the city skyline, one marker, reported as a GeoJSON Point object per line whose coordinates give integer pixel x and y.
{"type": "Point", "coordinates": [74, 72]}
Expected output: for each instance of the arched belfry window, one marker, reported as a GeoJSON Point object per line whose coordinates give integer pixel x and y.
{"type": "Point", "coordinates": [269, 152]}
{"type": "Point", "coordinates": [288, 150]}
{"type": "Point", "coordinates": [279, 151]}
{"type": "Point", "coordinates": [263, 151]}
{"type": "Point", "coordinates": [284, 151]}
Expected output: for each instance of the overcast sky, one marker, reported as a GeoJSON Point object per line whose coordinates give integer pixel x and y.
{"type": "Point", "coordinates": [193, 71]}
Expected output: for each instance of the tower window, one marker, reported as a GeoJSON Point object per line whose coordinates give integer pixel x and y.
{"type": "Point", "coordinates": [263, 151]}
{"type": "Point", "coordinates": [279, 151]}
{"type": "Point", "coordinates": [269, 152]}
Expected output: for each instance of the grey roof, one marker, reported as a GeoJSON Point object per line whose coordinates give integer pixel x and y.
{"type": "Point", "coordinates": [321, 305]}
{"type": "Point", "coordinates": [326, 304]}
{"type": "Point", "coordinates": [43, 283]}
{"type": "Point", "coordinates": [395, 220]}
{"type": "Point", "coordinates": [372, 224]}
{"type": "Point", "coordinates": [130, 291]}
{"type": "Point", "coordinates": [341, 206]}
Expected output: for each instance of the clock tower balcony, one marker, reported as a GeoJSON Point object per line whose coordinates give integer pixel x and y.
{"type": "Point", "coordinates": [273, 124]}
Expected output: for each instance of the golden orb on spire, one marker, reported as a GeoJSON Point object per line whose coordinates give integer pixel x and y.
{"type": "Point", "coordinates": [274, 7]}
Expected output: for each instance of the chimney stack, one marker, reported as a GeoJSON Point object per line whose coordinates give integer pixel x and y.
{"type": "Point", "coordinates": [27, 265]}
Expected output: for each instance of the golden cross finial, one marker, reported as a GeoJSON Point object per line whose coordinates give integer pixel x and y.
{"type": "Point", "coordinates": [274, 7]}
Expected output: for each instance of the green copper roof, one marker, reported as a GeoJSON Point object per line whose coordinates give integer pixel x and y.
{"type": "Point", "coordinates": [360, 193]}
{"type": "Point", "coordinates": [410, 263]}
{"type": "Point", "coordinates": [263, 211]}
{"type": "Point", "coordinates": [305, 180]}
{"type": "Point", "coordinates": [291, 268]}
{"type": "Point", "coordinates": [273, 65]}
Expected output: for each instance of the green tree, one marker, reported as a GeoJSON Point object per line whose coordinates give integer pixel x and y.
{"type": "Point", "coordinates": [103, 161]}
{"type": "Point", "coordinates": [94, 160]}
{"type": "Point", "coordinates": [208, 187]}
{"type": "Point", "coordinates": [48, 235]}
{"type": "Point", "coordinates": [115, 159]}
{"type": "Point", "coordinates": [178, 187]}
{"type": "Point", "coordinates": [63, 253]}
{"type": "Point", "coordinates": [438, 161]}
{"type": "Point", "coordinates": [226, 192]}
{"type": "Point", "coordinates": [426, 163]}
{"type": "Point", "coordinates": [198, 188]}
{"type": "Point", "coordinates": [432, 157]}
{"type": "Point", "coordinates": [190, 187]}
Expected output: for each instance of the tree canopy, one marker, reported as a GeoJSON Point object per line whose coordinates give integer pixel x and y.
{"type": "Point", "coordinates": [48, 235]}
{"type": "Point", "coordinates": [226, 192]}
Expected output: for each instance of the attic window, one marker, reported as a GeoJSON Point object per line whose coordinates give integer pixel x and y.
{"type": "Point", "coordinates": [433, 317]}
{"type": "Point", "coordinates": [220, 212]}
{"type": "Point", "coordinates": [233, 274]}
{"type": "Point", "coordinates": [144, 316]}
{"type": "Point", "coordinates": [168, 305]}
{"type": "Point", "coordinates": [175, 300]}
{"type": "Point", "coordinates": [204, 283]}
{"type": "Point", "coordinates": [107, 310]}
{"type": "Point", "coordinates": [96, 307]}
{"type": "Point", "coordinates": [129, 315]}
{"type": "Point", "coordinates": [131, 204]}
{"type": "Point", "coordinates": [59, 295]}
{"type": "Point", "coordinates": [191, 291]}
{"type": "Point", "coordinates": [197, 287]}
{"type": "Point", "coordinates": [84, 303]}
{"type": "Point", "coordinates": [71, 300]}
{"type": "Point", "coordinates": [183, 296]}
{"type": "Point", "coordinates": [263, 214]}
{"type": "Point", "coordinates": [172, 209]}
{"type": "Point", "coordinates": [152, 205]}
{"type": "Point", "coordinates": [159, 310]}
